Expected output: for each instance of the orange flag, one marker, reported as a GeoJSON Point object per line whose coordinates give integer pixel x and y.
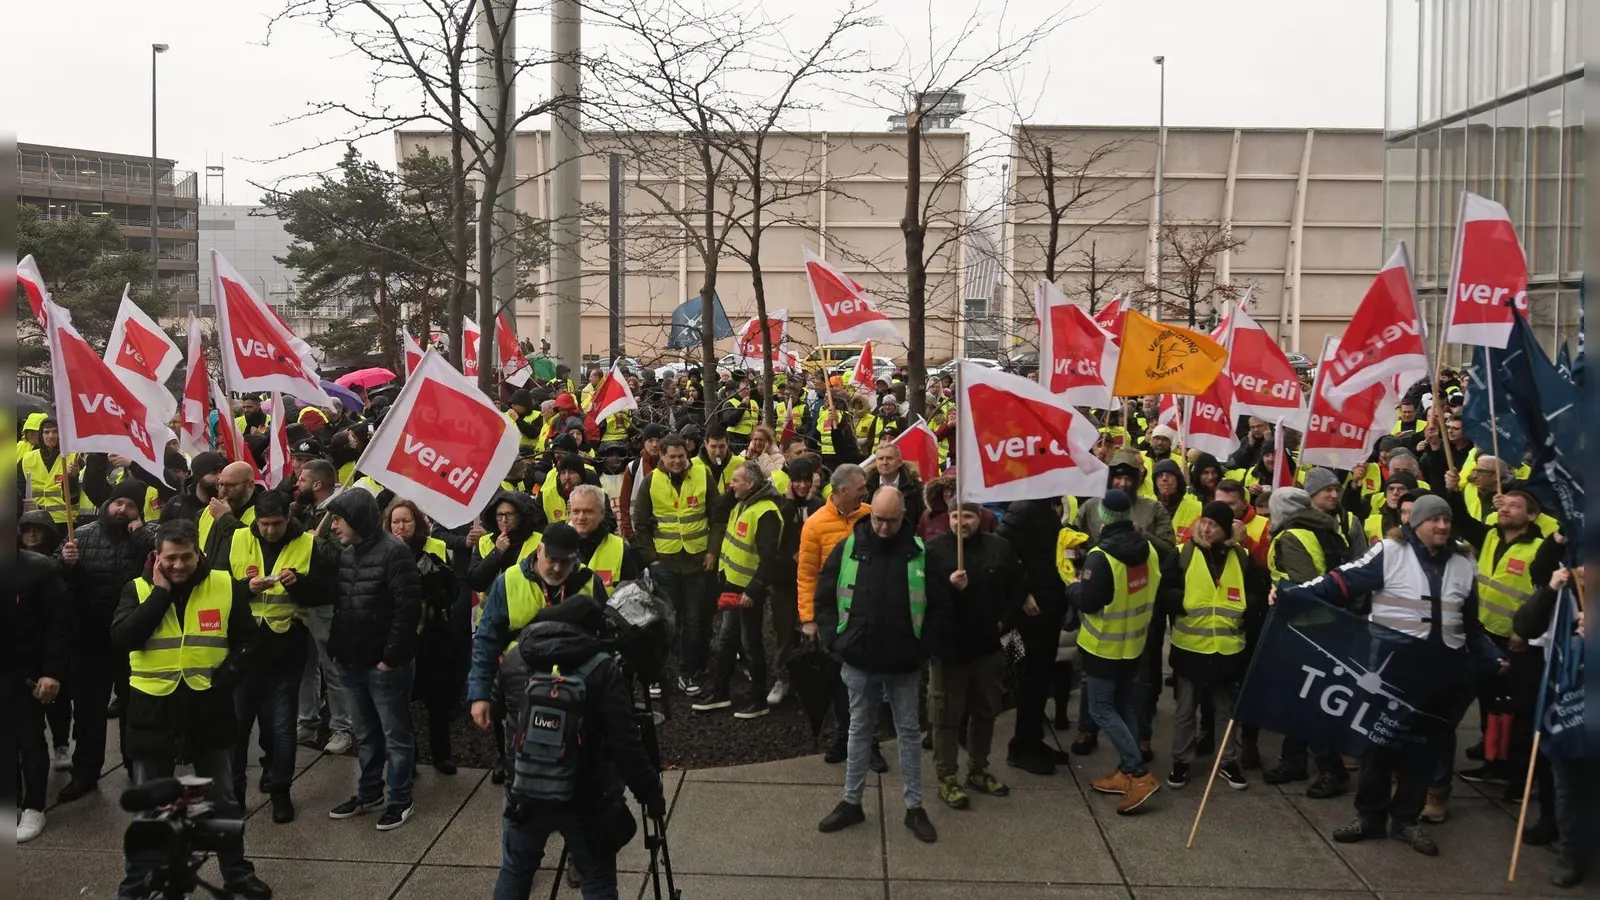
{"type": "Point", "coordinates": [1164, 359]}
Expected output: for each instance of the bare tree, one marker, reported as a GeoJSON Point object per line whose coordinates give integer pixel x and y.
{"type": "Point", "coordinates": [1100, 278]}
{"type": "Point", "coordinates": [1189, 254]}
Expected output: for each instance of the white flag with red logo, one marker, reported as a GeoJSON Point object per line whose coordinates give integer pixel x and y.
{"type": "Point", "coordinates": [258, 352]}
{"type": "Point", "coordinates": [442, 445]}
{"type": "Point", "coordinates": [470, 336]}
{"type": "Point", "coordinates": [611, 397]}
{"type": "Point", "coordinates": [143, 355]}
{"type": "Point", "coordinates": [1341, 437]}
{"type": "Point", "coordinates": [1386, 338]}
{"type": "Point", "coordinates": [280, 464]}
{"type": "Point", "coordinates": [412, 349]}
{"type": "Point", "coordinates": [514, 366]}
{"type": "Point", "coordinates": [1077, 355]}
{"type": "Point", "coordinates": [920, 447]}
{"type": "Point", "coordinates": [1489, 278]}
{"type": "Point", "coordinates": [1208, 425]}
{"type": "Point", "coordinates": [1112, 315]}
{"type": "Point", "coordinates": [1282, 469]}
{"type": "Point", "coordinates": [1019, 441]}
{"type": "Point", "coordinates": [96, 412]}
{"type": "Point", "coordinates": [32, 281]}
{"type": "Point", "coordinates": [843, 311]}
{"type": "Point", "coordinates": [194, 437]}
{"type": "Point", "coordinates": [1264, 383]}
{"type": "Point", "coordinates": [230, 442]}
{"type": "Point", "coordinates": [747, 347]}
{"type": "Point", "coordinates": [865, 377]}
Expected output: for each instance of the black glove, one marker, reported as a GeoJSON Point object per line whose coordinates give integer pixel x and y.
{"type": "Point", "coordinates": [656, 806]}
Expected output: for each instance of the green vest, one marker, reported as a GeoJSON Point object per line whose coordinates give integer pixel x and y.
{"type": "Point", "coordinates": [738, 560]}
{"type": "Point", "coordinates": [272, 607]}
{"type": "Point", "coordinates": [525, 597]}
{"type": "Point", "coordinates": [1119, 630]}
{"type": "Point", "coordinates": [190, 652]}
{"type": "Point", "coordinates": [1504, 584]}
{"type": "Point", "coordinates": [1213, 610]}
{"type": "Point", "coordinates": [916, 581]}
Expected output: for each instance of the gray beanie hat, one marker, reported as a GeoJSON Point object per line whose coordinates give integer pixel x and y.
{"type": "Point", "coordinates": [1320, 479]}
{"type": "Point", "coordinates": [1285, 502]}
{"type": "Point", "coordinates": [1429, 506]}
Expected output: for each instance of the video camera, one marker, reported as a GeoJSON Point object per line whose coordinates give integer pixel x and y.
{"type": "Point", "coordinates": [176, 833]}
{"type": "Point", "coordinates": [640, 625]}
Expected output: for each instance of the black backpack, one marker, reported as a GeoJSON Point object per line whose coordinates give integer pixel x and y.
{"type": "Point", "coordinates": [547, 737]}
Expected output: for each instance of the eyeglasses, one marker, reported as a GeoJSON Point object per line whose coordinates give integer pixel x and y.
{"type": "Point", "coordinates": [879, 520]}
{"type": "Point", "coordinates": [504, 515]}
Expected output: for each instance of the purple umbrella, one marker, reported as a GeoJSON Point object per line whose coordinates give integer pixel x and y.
{"type": "Point", "coordinates": [347, 397]}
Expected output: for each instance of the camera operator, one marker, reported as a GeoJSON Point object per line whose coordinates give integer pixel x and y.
{"type": "Point", "coordinates": [595, 822]}
{"type": "Point", "coordinates": [184, 626]}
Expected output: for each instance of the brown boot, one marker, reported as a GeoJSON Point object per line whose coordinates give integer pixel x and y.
{"type": "Point", "coordinates": [1118, 782]}
{"type": "Point", "coordinates": [1138, 792]}
{"type": "Point", "coordinates": [1436, 809]}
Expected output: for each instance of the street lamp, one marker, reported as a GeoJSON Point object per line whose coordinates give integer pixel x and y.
{"type": "Point", "coordinates": [155, 256]}
{"type": "Point", "coordinates": [1161, 174]}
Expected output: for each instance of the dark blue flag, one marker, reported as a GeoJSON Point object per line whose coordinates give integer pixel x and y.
{"type": "Point", "coordinates": [686, 323]}
{"type": "Point", "coordinates": [1334, 680]}
{"type": "Point", "coordinates": [1560, 709]}
{"type": "Point", "coordinates": [1476, 412]}
{"type": "Point", "coordinates": [1564, 362]}
{"type": "Point", "coordinates": [1545, 404]}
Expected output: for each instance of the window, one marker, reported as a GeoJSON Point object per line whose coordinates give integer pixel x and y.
{"type": "Point", "coordinates": [1429, 64]}
{"type": "Point", "coordinates": [1510, 160]}
{"type": "Point", "coordinates": [1400, 192]}
{"type": "Point", "coordinates": [1454, 48]}
{"type": "Point", "coordinates": [1453, 180]}
{"type": "Point", "coordinates": [1546, 22]}
{"type": "Point", "coordinates": [1544, 182]}
{"type": "Point", "coordinates": [1483, 55]}
{"type": "Point", "coordinates": [1572, 175]}
{"type": "Point", "coordinates": [1428, 189]}
{"type": "Point", "coordinates": [1513, 45]}
{"type": "Point", "coordinates": [1405, 75]}
{"type": "Point", "coordinates": [1574, 35]}
{"type": "Point", "coordinates": [1480, 154]}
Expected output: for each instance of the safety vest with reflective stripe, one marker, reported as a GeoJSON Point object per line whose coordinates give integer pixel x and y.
{"type": "Point", "coordinates": [1213, 609]}
{"type": "Point", "coordinates": [681, 522]}
{"type": "Point", "coordinates": [527, 445]}
{"type": "Point", "coordinates": [486, 546]}
{"type": "Point", "coordinates": [206, 521]}
{"type": "Point", "coordinates": [725, 480]}
{"type": "Point", "coordinates": [780, 480]}
{"type": "Point", "coordinates": [1183, 518]}
{"type": "Point", "coordinates": [1308, 540]}
{"type": "Point", "coordinates": [916, 583]}
{"type": "Point", "coordinates": [1414, 615]}
{"type": "Point", "coordinates": [1504, 584]}
{"type": "Point", "coordinates": [606, 561]}
{"type": "Point", "coordinates": [738, 560]}
{"type": "Point", "coordinates": [525, 597]}
{"type": "Point", "coordinates": [264, 428]}
{"type": "Point", "coordinates": [273, 606]}
{"type": "Point", "coordinates": [827, 421]}
{"type": "Point", "coordinates": [1119, 630]}
{"type": "Point", "coordinates": [47, 485]}
{"type": "Point", "coordinates": [190, 652]}
{"type": "Point", "coordinates": [555, 506]}
{"type": "Point", "coordinates": [748, 419]}
{"type": "Point", "coordinates": [617, 426]}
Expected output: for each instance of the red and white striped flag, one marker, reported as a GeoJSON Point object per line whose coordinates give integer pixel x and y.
{"type": "Point", "coordinates": [920, 447]}
{"type": "Point", "coordinates": [611, 397]}
{"type": "Point", "coordinates": [280, 465]}
{"type": "Point", "coordinates": [193, 436]}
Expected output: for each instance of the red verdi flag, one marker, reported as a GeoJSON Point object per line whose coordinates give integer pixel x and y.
{"type": "Point", "coordinates": [32, 282]}
{"type": "Point", "coordinates": [1019, 441]}
{"type": "Point", "coordinates": [140, 352]}
{"type": "Point", "coordinates": [1264, 383]}
{"type": "Point", "coordinates": [280, 465]}
{"type": "Point", "coordinates": [194, 436]}
{"type": "Point", "coordinates": [1112, 316]}
{"type": "Point", "coordinates": [230, 442]}
{"type": "Point", "coordinates": [1385, 339]}
{"type": "Point", "coordinates": [1489, 278]}
{"type": "Point", "coordinates": [470, 335]}
{"type": "Point", "coordinates": [843, 312]}
{"type": "Point", "coordinates": [1341, 437]}
{"type": "Point", "coordinates": [1077, 355]}
{"type": "Point", "coordinates": [920, 447]}
{"type": "Point", "coordinates": [442, 445]}
{"type": "Point", "coordinates": [865, 377]}
{"type": "Point", "coordinates": [1208, 425]}
{"type": "Point", "coordinates": [413, 351]}
{"type": "Point", "coordinates": [97, 413]}
{"type": "Point", "coordinates": [258, 352]}
{"type": "Point", "coordinates": [748, 346]}
{"type": "Point", "coordinates": [613, 396]}
{"type": "Point", "coordinates": [513, 364]}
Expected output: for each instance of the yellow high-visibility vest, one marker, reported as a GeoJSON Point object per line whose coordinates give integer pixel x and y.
{"type": "Point", "coordinates": [272, 607]}
{"type": "Point", "coordinates": [738, 560]}
{"type": "Point", "coordinates": [1119, 630]}
{"type": "Point", "coordinates": [682, 525]}
{"type": "Point", "coordinates": [1504, 584]}
{"type": "Point", "coordinates": [206, 521]}
{"type": "Point", "coordinates": [190, 652]}
{"type": "Point", "coordinates": [1213, 609]}
{"type": "Point", "coordinates": [47, 485]}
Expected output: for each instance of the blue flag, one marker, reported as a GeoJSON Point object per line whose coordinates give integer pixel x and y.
{"type": "Point", "coordinates": [1475, 413]}
{"type": "Point", "coordinates": [1334, 680]}
{"type": "Point", "coordinates": [1545, 405]}
{"type": "Point", "coordinates": [1564, 362]}
{"type": "Point", "coordinates": [1560, 708]}
{"type": "Point", "coordinates": [686, 323]}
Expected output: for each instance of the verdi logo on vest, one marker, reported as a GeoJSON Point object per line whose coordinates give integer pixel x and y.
{"type": "Point", "coordinates": [209, 619]}
{"type": "Point", "coordinates": [1138, 578]}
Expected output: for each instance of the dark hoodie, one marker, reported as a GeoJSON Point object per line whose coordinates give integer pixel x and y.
{"type": "Point", "coordinates": [109, 557]}
{"type": "Point", "coordinates": [1096, 588]}
{"type": "Point", "coordinates": [964, 625]}
{"type": "Point", "coordinates": [769, 540]}
{"type": "Point", "coordinates": [878, 638]}
{"type": "Point", "coordinates": [1033, 527]}
{"type": "Point", "coordinates": [486, 566]}
{"type": "Point", "coordinates": [1170, 467]}
{"type": "Point", "coordinates": [378, 601]}
{"type": "Point", "coordinates": [1201, 463]}
{"type": "Point", "coordinates": [611, 736]}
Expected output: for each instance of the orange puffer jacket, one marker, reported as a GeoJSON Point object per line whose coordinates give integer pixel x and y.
{"type": "Point", "coordinates": [822, 532]}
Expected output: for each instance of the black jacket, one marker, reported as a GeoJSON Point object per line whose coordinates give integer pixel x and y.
{"type": "Point", "coordinates": [108, 558]}
{"type": "Point", "coordinates": [485, 568]}
{"type": "Point", "coordinates": [1215, 668]}
{"type": "Point", "coordinates": [1032, 527]}
{"type": "Point", "coordinates": [878, 637]}
{"type": "Point", "coordinates": [965, 625]}
{"type": "Point", "coordinates": [612, 740]}
{"type": "Point", "coordinates": [1096, 588]}
{"type": "Point", "coordinates": [185, 722]}
{"type": "Point", "coordinates": [40, 622]}
{"type": "Point", "coordinates": [313, 587]}
{"type": "Point", "coordinates": [1201, 463]}
{"type": "Point", "coordinates": [769, 538]}
{"type": "Point", "coordinates": [631, 566]}
{"type": "Point", "coordinates": [378, 602]}
{"type": "Point", "coordinates": [910, 485]}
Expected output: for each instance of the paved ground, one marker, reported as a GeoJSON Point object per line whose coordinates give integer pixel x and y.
{"type": "Point", "coordinates": [750, 832]}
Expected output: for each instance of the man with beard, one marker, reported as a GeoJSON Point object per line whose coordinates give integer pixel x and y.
{"type": "Point", "coordinates": [233, 508]}
{"type": "Point", "coordinates": [48, 478]}
{"type": "Point", "coordinates": [101, 557]}
{"type": "Point", "coordinates": [509, 529]}
{"type": "Point", "coordinates": [1204, 476]}
{"type": "Point", "coordinates": [672, 532]}
{"type": "Point", "coordinates": [253, 420]}
{"type": "Point", "coordinates": [200, 489]}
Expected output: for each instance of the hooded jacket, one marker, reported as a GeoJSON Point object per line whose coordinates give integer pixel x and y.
{"type": "Point", "coordinates": [485, 568]}
{"type": "Point", "coordinates": [1151, 517]}
{"type": "Point", "coordinates": [878, 637]}
{"type": "Point", "coordinates": [909, 481]}
{"type": "Point", "coordinates": [41, 620]}
{"type": "Point", "coordinates": [1292, 556]}
{"type": "Point", "coordinates": [964, 625]}
{"type": "Point", "coordinates": [935, 518]}
{"type": "Point", "coordinates": [1170, 467]}
{"type": "Point", "coordinates": [1033, 527]}
{"type": "Point", "coordinates": [795, 512]}
{"type": "Point", "coordinates": [494, 623]}
{"type": "Point", "coordinates": [1201, 463]}
{"type": "Point", "coordinates": [1096, 588]}
{"type": "Point", "coordinates": [108, 558]}
{"type": "Point", "coordinates": [378, 601]}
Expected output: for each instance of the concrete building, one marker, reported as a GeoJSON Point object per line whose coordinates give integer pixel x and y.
{"type": "Point", "coordinates": [843, 196]}
{"type": "Point", "coordinates": [1487, 96]}
{"type": "Point", "coordinates": [1306, 202]}
{"type": "Point", "coordinates": [251, 238]}
{"type": "Point", "coordinates": [64, 182]}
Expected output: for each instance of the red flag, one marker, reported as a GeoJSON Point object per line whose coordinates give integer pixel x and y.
{"type": "Point", "coordinates": [442, 445]}
{"type": "Point", "coordinates": [258, 352]}
{"type": "Point", "coordinates": [1282, 471]}
{"type": "Point", "coordinates": [514, 365]}
{"type": "Point", "coordinates": [412, 350]}
{"type": "Point", "coordinates": [193, 437]}
{"type": "Point", "coordinates": [140, 352]}
{"type": "Point", "coordinates": [1208, 427]}
{"type": "Point", "coordinates": [1489, 277]}
{"type": "Point", "coordinates": [1026, 441]}
{"type": "Point", "coordinates": [842, 310]}
{"type": "Point", "coordinates": [1169, 413]}
{"type": "Point", "coordinates": [230, 442]}
{"type": "Point", "coordinates": [1077, 356]}
{"type": "Point", "coordinates": [32, 282]}
{"type": "Point", "coordinates": [470, 335]}
{"type": "Point", "coordinates": [280, 465]}
{"type": "Point", "coordinates": [1264, 383]}
{"type": "Point", "coordinates": [1112, 315]}
{"type": "Point", "coordinates": [919, 446]}
{"type": "Point", "coordinates": [1386, 337]}
{"type": "Point", "coordinates": [611, 397]}
{"type": "Point", "coordinates": [747, 347]}
{"type": "Point", "coordinates": [96, 412]}
{"type": "Point", "coordinates": [865, 377]}
{"type": "Point", "coordinates": [1341, 437]}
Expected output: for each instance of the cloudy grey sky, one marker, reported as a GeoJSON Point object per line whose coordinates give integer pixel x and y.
{"type": "Point", "coordinates": [223, 94]}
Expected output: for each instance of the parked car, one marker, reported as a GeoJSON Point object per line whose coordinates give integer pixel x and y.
{"type": "Point", "coordinates": [949, 368]}
{"type": "Point", "coordinates": [827, 357]}
{"type": "Point", "coordinates": [627, 362]}
{"type": "Point", "coordinates": [882, 366]}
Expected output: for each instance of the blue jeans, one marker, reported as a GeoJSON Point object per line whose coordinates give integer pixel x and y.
{"type": "Point", "coordinates": [380, 703]}
{"type": "Point", "coordinates": [867, 690]}
{"type": "Point", "coordinates": [216, 765]}
{"type": "Point", "coordinates": [321, 671]}
{"type": "Point", "coordinates": [522, 846]}
{"type": "Point", "coordinates": [268, 695]}
{"type": "Point", "coordinates": [1114, 706]}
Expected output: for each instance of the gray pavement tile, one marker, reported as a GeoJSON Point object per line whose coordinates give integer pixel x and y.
{"type": "Point", "coordinates": [738, 829]}
{"type": "Point", "coordinates": [321, 880]}
{"type": "Point", "coordinates": [800, 770]}
{"type": "Point", "coordinates": [734, 887]}
{"type": "Point", "coordinates": [1250, 839]}
{"type": "Point", "coordinates": [1030, 836]}
{"type": "Point", "coordinates": [433, 882]}
{"type": "Point", "coordinates": [331, 781]}
{"type": "Point", "coordinates": [928, 890]}
{"type": "Point", "coordinates": [67, 874]}
{"type": "Point", "coordinates": [93, 822]}
{"type": "Point", "coordinates": [1474, 853]}
{"type": "Point", "coordinates": [1186, 893]}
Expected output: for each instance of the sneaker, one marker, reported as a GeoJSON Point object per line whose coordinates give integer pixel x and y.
{"type": "Point", "coordinates": [655, 690]}
{"type": "Point", "coordinates": [1328, 785]}
{"type": "Point", "coordinates": [251, 887]}
{"type": "Point", "coordinates": [1085, 743]}
{"type": "Point", "coordinates": [305, 736]}
{"type": "Point", "coordinates": [1250, 757]}
{"type": "Point", "coordinates": [1204, 745]}
{"type": "Point", "coordinates": [76, 789]}
{"type": "Point", "coordinates": [917, 820]}
{"type": "Point", "coordinates": [983, 782]}
{"type": "Point", "coordinates": [1179, 777]}
{"type": "Point", "coordinates": [1035, 760]}
{"type": "Point", "coordinates": [716, 700]}
{"type": "Point", "coordinates": [340, 743]}
{"type": "Point", "coordinates": [951, 793]}
{"type": "Point", "coordinates": [1140, 789]}
{"type": "Point", "coordinates": [1416, 837]}
{"type": "Point", "coordinates": [779, 691]}
{"type": "Point", "coordinates": [1356, 830]}
{"type": "Point", "coordinates": [1284, 774]}
{"type": "Point", "coordinates": [755, 709]}
{"type": "Point", "coordinates": [29, 825]}
{"type": "Point", "coordinates": [1146, 752]}
{"type": "Point", "coordinates": [875, 761]}
{"type": "Point", "coordinates": [353, 807]}
{"type": "Point", "coordinates": [1437, 807]}
{"type": "Point", "coordinates": [394, 816]}
{"type": "Point", "coordinates": [282, 808]}
{"type": "Point", "coordinates": [61, 760]}
{"type": "Point", "coordinates": [1115, 783]}
{"type": "Point", "coordinates": [836, 754]}
{"type": "Point", "coordinates": [688, 687]}
{"type": "Point", "coordinates": [444, 765]}
{"type": "Point", "coordinates": [497, 775]}
{"type": "Point", "coordinates": [1233, 775]}
{"type": "Point", "coordinates": [1488, 773]}
{"type": "Point", "coordinates": [114, 708]}
{"type": "Point", "coordinates": [843, 816]}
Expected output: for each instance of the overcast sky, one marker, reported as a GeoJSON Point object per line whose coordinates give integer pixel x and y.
{"type": "Point", "coordinates": [223, 94]}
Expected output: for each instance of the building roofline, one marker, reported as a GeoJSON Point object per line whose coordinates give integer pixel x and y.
{"type": "Point", "coordinates": [1213, 129]}
{"type": "Point", "coordinates": [92, 154]}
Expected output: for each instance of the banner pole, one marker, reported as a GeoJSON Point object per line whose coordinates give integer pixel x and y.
{"type": "Point", "coordinates": [961, 556]}
{"type": "Point", "coordinates": [1216, 766]}
{"type": "Point", "coordinates": [1522, 814]}
{"type": "Point", "coordinates": [1494, 426]}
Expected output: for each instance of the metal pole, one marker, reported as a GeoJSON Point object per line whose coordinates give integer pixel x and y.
{"type": "Point", "coordinates": [155, 255]}
{"type": "Point", "coordinates": [615, 243]}
{"type": "Point", "coordinates": [1161, 175]}
{"type": "Point", "coordinates": [566, 148]}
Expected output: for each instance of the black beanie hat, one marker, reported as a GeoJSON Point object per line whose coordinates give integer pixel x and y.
{"type": "Point", "coordinates": [1220, 513]}
{"type": "Point", "coordinates": [206, 463]}
{"type": "Point", "coordinates": [128, 489]}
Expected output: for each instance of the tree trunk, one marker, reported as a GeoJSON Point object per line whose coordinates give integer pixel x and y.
{"type": "Point", "coordinates": [1053, 237]}
{"type": "Point", "coordinates": [708, 291]}
{"type": "Point", "coordinates": [916, 271]}
{"type": "Point", "coordinates": [459, 227]}
{"type": "Point", "coordinates": [486, 203]}
{"type": "Point", "coordinates": [758, 282]}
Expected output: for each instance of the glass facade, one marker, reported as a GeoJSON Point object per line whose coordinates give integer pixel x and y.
{"type": "Point", "coordinates": [1485, 96]}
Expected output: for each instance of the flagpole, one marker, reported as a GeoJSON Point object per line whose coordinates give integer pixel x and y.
{"type": "Point", "coordinates": [1216, 766]}
{"type": "Point", "coordinates": [1494, 425]}
{"type": "Point", "coordinates": [1522, 814]}
{"type": "Point", "coordinates": [961, 557]}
